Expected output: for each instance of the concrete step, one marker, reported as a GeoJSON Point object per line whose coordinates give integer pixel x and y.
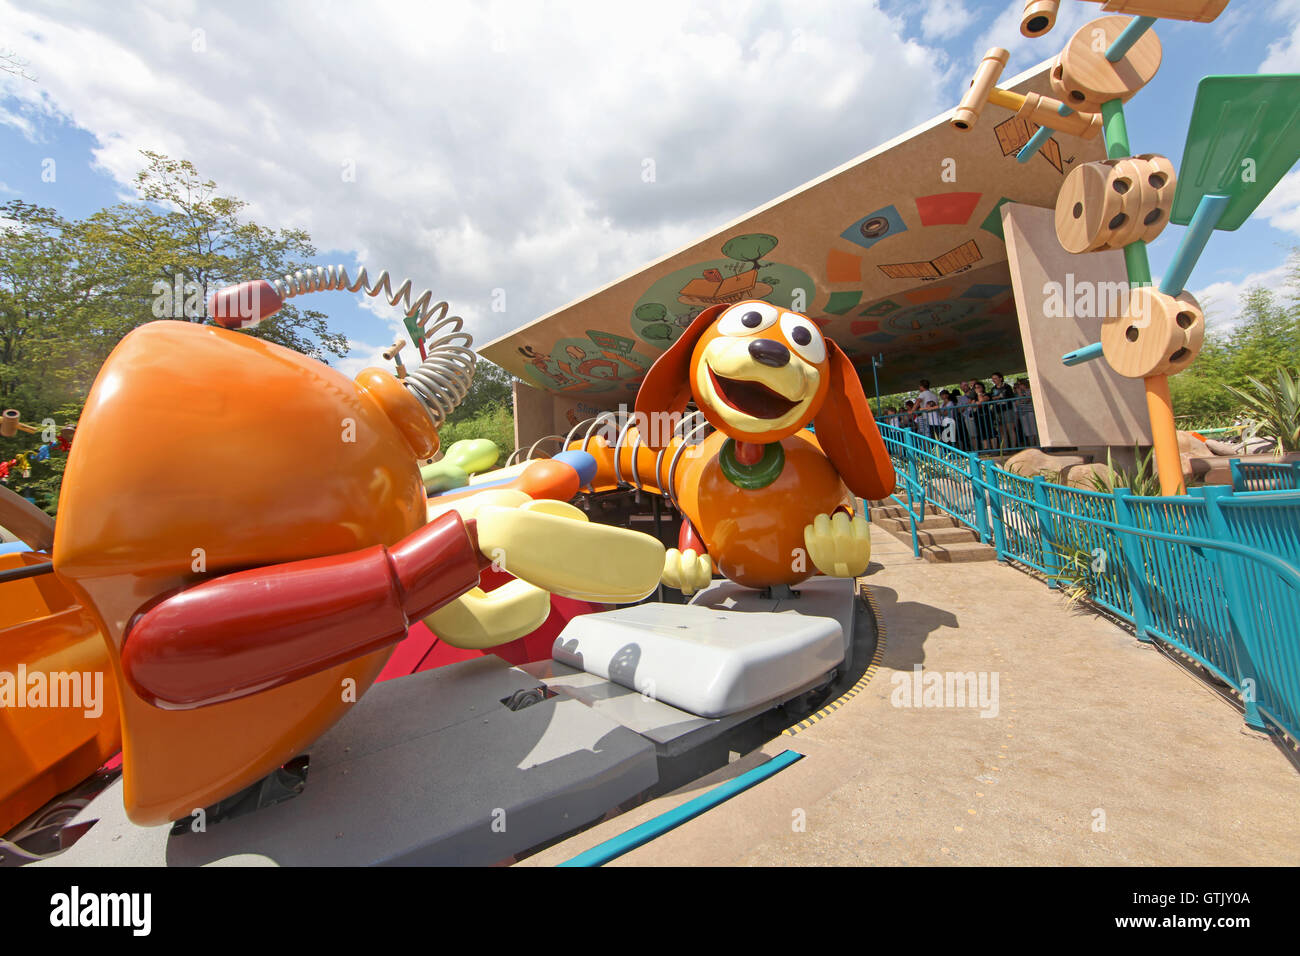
{"type": "Point", "coordinates": [958, 552]}
{"type": "Point", "coordinates": [932, 522]}
{"type": "Point", "coordinates": [944, 535]}
{"type": "Point", "coordinates": [896, 511]}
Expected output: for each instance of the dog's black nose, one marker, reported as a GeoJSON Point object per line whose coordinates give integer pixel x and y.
{"type": "Point", "coordinates": [769, 353]}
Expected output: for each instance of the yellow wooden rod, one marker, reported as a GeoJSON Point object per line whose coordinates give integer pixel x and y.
{"type": "Point", "coordinates": [1164, 435]}
{"type": "Point", "coordinates": [1006, 100]}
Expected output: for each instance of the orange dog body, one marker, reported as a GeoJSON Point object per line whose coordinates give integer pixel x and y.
{"type": "Point", "coordinates": [760, 375]}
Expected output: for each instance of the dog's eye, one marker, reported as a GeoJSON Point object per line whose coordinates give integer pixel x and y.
{"type": "Point", "coordinates": [804, 338]}
{"type": "Point", "coordinates": [747, 318]}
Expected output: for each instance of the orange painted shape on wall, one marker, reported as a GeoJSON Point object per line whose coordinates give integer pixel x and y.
{"type": "Point", "coordinates": [929, 293]}
{"type": "Point", "coordinates": [843, 267]}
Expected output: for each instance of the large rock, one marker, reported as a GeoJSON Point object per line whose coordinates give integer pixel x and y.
{"type": "Point", "coordinates": [1223, 447]}
{"type": "Point", "coordinates": [1035, 461]}
{"type": "Point", "coordinates": [1081, 476]}
{"type": "Point", "coordinates": [1189, 444]}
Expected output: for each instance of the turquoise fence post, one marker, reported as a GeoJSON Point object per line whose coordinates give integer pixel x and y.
{"type": "Point", "coordinates": [977, 496]}
{"type": "Point", "coordinates": [995, 504]}
{"type": "Point", "coordinates": [1045, 530]}
{"type": "Point", "coordinates": [914, 483]}
{"type": "Point", "coordinates": [1134, 564]}
{"type": "Point", "coordinates": [1244, 638]}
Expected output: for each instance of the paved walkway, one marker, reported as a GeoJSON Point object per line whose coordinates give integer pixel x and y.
{"type": "Point", "coordinates": [1102, 751]}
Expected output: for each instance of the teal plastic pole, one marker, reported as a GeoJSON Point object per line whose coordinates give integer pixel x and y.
{"type": "Point", "coordinates": [602, 853]}
{"type": "Point", "coordinates": [1208, 213]}
{"type": "Point", "coordinates": [1086, 354]}
{"type": "Point", "coordinates": [1040, 138]}
{"type": "Point", "coordinates": [1132, 33]}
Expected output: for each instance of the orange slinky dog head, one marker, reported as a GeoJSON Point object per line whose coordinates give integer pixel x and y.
{"type": "Point", "coordinates": [760, 373]}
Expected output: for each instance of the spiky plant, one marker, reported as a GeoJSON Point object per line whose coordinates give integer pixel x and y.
{"type": "Point", "coordinates": [1277, 407]}
{"type": "Point", "coordinates": [1143, 481]}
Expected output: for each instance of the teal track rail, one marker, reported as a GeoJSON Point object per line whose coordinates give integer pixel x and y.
{"type": "Point", "coordinates": [640, 835]}
{"type": "Point", "coordinates": [1214, 573]}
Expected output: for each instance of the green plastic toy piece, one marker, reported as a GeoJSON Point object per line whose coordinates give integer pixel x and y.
{"type": "Point", "coordinates": [1244, 136]}
{"type": "Point", "coordinates": [464, 458]}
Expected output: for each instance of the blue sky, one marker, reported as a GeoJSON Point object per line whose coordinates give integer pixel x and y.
{"type": "Point", "coordinates": [499, 147]}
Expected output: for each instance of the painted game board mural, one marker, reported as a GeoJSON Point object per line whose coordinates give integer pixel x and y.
{"type": "Point", "coordinates": [899, 252]}
{"type": "Point", "coordinates": [748, 272]}
{"type": "Point", "coordinates": [601, 362]}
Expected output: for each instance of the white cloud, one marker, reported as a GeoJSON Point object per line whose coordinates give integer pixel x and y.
{"type": "Point", "coordinates": [494, 146]}
{"type": "Point", "coordinates": [1004, 31]}
{"type": "Point", "coordinates": [1281, 207]}
{"type": "Point", "coordinates": [1284, 53]}
{"type": "Point", "coordinates": [1222, 300]}
{"type": "Point", "coordinates": [942, 19]}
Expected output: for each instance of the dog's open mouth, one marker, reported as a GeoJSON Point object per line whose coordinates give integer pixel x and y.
{"type": "Point", "coordinates": [751, 398]}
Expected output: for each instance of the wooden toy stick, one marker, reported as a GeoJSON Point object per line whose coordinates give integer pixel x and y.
{"type": "Point", "coordinates": [11, 426]}
{"type": "Point", "coordinates": [1200, 11]}
{"type": "Point", "coordinates": [1046, 111]}
{"type": "Point", "coordinates": [394, 354]}
{"type": "Point", "coordinates": [1039, 17]}
{"type": "Point", "coordinates": [982, 88]}
{"type": "Point", "coordinates": [1039, 139]}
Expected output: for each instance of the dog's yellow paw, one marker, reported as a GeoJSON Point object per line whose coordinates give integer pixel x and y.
{"type": "Point", "coordinates": [838, 545]}
{"type": "Point", "coordinates": [686, 570]}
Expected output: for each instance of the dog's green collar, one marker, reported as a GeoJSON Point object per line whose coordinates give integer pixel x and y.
{"type": "Point", "coordinates": [758, 475]}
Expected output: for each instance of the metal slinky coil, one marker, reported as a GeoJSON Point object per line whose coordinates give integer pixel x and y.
{"type": "Point", "coordinates": [443, 377]}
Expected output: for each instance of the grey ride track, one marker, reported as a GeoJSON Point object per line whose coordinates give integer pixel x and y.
{"type": "Point", "coordinates": [1093, 729]}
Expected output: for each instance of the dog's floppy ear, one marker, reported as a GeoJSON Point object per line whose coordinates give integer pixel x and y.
{"type": "Point", "coordinates": [667, 386]}
{"type": "Point", "coordinates": [847, 432]}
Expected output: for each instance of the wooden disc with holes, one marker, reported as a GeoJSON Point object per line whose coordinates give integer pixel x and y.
{"type": "Point", "coordinates": [1162, 182]}
{"type": "Point", "coordinates": [1083, 79]}
{"type": "Point", "coordinates": [1094, 207]}
{"type": "Point", "coordinates": [1153, 334]}
{"type": "Point", "coordinates": [1130, 178]}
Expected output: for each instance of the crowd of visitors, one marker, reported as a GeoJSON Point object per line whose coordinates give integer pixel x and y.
{"type": "Point", "coordinates": [971, 416]}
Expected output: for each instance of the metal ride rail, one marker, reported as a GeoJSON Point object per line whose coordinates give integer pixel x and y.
{"type": "Point", "coordinates": [1214, 573]}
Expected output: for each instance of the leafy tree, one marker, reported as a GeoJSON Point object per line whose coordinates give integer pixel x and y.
{"type": "Point", "coordinates": [1265, 339]}
{"type": "Point", "coordinates": [492, 387]}
{"type": "Point", "coordinates": [493, 422]}
{"type": "Point", "coordinates": [71, 290]}
{"type": "Point", "coordinates": [184, 232]}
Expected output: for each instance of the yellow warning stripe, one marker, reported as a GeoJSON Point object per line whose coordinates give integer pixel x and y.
{"type": "Point", "coordinates": [862, 682]}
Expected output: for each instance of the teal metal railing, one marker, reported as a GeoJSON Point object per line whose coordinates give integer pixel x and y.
{"type": "Point", "coordinates": [1214, 573]}
{"type": "Point", "coordinates": [1266, 476]}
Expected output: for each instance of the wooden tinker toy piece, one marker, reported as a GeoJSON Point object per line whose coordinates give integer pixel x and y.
{"type": "Point", "coordinates": [1125, 201]}
{"type": "Point", "coordinates": [11, 425]}
{"type": "Point", "coordinates": [1040, 15]}
{"type": "Point", "coordinates": [1033, 107]}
